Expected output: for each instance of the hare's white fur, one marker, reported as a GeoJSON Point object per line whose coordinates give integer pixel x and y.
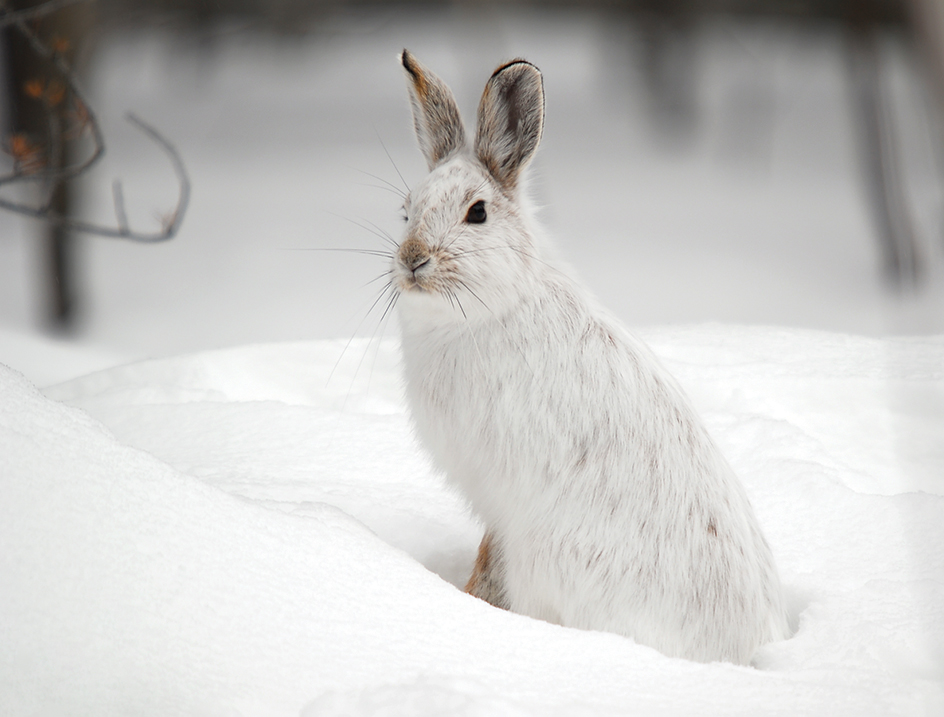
{"type": "Point", "coordinates": [607, 504]}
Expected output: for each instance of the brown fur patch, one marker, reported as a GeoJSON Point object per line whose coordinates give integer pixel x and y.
{"type": "Point", "coordinates": [480, 569]}
{"type": "Point", "coordinates": [485, 582]}
{"type": "Point", "coordinates": [435, 115]}
{"type": "Point", "coordinates": [419, 79]}
{"type": "Point", "coordinates": [413, 252]}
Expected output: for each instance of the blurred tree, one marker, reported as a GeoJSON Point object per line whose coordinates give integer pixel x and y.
{"type": "Point", "coordinates": [51, 125]}
{"type": "Point", "coordinates": [879, 154]}
{"type": "Point", "coordinates": [38, 111]}
{"type": "Point", "coordinates": [48, 112]}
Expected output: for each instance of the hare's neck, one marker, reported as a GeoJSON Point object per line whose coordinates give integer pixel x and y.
{"type": "Point", "coordinates": [475, 389]}
{"type": "Point", "coordinates": [434, 330]}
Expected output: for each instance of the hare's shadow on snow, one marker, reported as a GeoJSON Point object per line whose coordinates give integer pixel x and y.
{"type": "Point", "coordinates": [797, 601]}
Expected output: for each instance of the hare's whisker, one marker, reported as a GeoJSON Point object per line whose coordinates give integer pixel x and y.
{"type": "Point", "coordinates": [468, 288]}
{"type": "Point", "coordinates": [475, 343]}
{"type": "Point", "coordinates": [518, 250]}
{"type": "Point", "coordinates": [390, 304]}
{"type": "Point", "coordinates": [390, 186]}
{"type": "Point", "coordinates": [357, 328]}
{"type": "Point", "coordinates": [392, 190]}
{"type": "Point", "coordinates": [385, 234]}
{"type": "Point", "coordinates": [459, 304]}
{"type": "Point", "coordinates": [395, 168]}
{"type": "Point", "coordinates": [348, 250]}
{"type": "Point", "coordinates": [380, 235]}
{"type": "Point", "coordinates": [377, 278]}
{"type": "Point", "coordinates": [500, 323]}
{"type": "Point", "coordinates": [382, 325]}
{"type": "Point", "coordinates": [357, 369]}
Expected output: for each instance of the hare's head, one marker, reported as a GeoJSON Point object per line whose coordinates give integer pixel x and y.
{"type": "Point", "coordinates": [468, 251]}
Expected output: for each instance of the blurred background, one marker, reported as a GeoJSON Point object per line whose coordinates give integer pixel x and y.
{"type": "Point", "coordinates": [741, 161]}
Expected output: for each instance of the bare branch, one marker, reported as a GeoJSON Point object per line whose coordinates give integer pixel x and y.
{"type": "Point", "coordinates": [121, 216]}
{"type": "Point", "coordinates": [50, 174]}
{"type": "Point", "coordinates": [11, 17]}
{"type": "Point", "coordinates": [169, 227]}
{"type": "Point", "coordinates": [54, 174]}
{"type": "Point", "coordinates": [183, 196]}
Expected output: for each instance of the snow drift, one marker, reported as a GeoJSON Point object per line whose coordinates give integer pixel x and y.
{"type": "Point", "coordinates": [254, 531]}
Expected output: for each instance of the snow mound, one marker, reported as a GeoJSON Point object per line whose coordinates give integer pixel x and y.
{"type": "Point", "coordinates": [254, 531]}
{"type": "Point", "coordinates": [47, 360]}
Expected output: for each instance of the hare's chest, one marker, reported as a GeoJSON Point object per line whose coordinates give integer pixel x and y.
{"type": "Point", "coordinates": [467, 406]}
{"type": "Point", "coordinates": [453, 395]}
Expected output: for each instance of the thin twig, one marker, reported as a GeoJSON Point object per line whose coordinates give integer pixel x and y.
{"type": "Point", "coordinates": [62, 67]}
{"type": "Point", "coordinates": [53, 175]}
{"type": "Point", "coordinates": [13, 17]}
{"type": "Point", "coordinates": [395, 168]}
{"type": "Point", "coordinates": [170, 226]}
{"type": "Point", "coordinates": [121, 216]}
{"type": "Point", "coordinates": [183, 181]}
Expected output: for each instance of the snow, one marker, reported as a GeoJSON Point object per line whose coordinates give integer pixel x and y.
{"type": "Point", "coordinates": [52, 360]}
{"type": "Point", "coordinates": [254, 531]}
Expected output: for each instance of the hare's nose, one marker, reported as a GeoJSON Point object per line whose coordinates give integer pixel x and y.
{"type": "Point", "coordinates": [413, 254]}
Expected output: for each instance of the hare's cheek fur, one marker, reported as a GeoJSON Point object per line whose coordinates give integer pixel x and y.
{"type": "Point", "coordinates": [607, 505]}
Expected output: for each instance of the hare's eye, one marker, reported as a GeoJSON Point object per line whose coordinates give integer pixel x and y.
{"type": "Point", "coordinates": [476, 213]}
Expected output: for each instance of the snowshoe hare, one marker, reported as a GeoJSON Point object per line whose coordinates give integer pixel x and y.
{"type": "Point", "coordinates": [607, 506]}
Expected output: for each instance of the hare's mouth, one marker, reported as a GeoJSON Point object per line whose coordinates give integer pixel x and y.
{"type": "Point", "coordinates": [419, 273]}
{"type": "Point", "coordinates": [416, 280]}
{"type": "Point", "coordinates": [410, 283]}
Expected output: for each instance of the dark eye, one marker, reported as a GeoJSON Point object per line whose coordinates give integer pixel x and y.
{"type": "Point", "coordinates": [476, 213]}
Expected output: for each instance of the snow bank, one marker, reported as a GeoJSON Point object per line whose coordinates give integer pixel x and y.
{"type": "Point", "coordinates": [47, 360]}
{"type": "Point", "coordinates": [245, 532]}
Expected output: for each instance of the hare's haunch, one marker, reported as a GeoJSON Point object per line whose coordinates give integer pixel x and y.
{"type": "Point", "coordinates": [607, 505]}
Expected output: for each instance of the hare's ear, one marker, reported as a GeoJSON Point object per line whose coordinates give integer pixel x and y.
{"type": "Point", "coordinates": [510, 120]}
{"type": "Point", "coordinates": [435, 115]}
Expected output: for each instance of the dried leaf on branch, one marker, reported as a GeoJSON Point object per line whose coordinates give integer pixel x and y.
{"type": "Point", "coordinates": [71, 119]}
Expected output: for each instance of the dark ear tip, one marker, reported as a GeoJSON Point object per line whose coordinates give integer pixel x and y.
{"type": "Point", "coordinates": [408, 62]}
{"type": "Point", "coordinates": [518, 62]}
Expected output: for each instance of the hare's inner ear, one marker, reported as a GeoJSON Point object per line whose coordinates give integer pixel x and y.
{"type": "Point", "coordinates": [435, 115]}
{"type": "Point", "coordinates": [510, 121]}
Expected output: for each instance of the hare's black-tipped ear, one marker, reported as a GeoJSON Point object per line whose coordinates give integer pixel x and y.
{"type": "Point", "coordinates": [435, 115]}
{"type": "Point", "coordinates": [510, 120]}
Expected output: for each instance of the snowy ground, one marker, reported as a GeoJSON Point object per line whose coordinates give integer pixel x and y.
{"type": "Point", "coordinates": [252, 530]}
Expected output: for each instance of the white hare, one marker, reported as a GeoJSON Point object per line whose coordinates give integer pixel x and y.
{"type": "Point", "coordinates": [607, 506]}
